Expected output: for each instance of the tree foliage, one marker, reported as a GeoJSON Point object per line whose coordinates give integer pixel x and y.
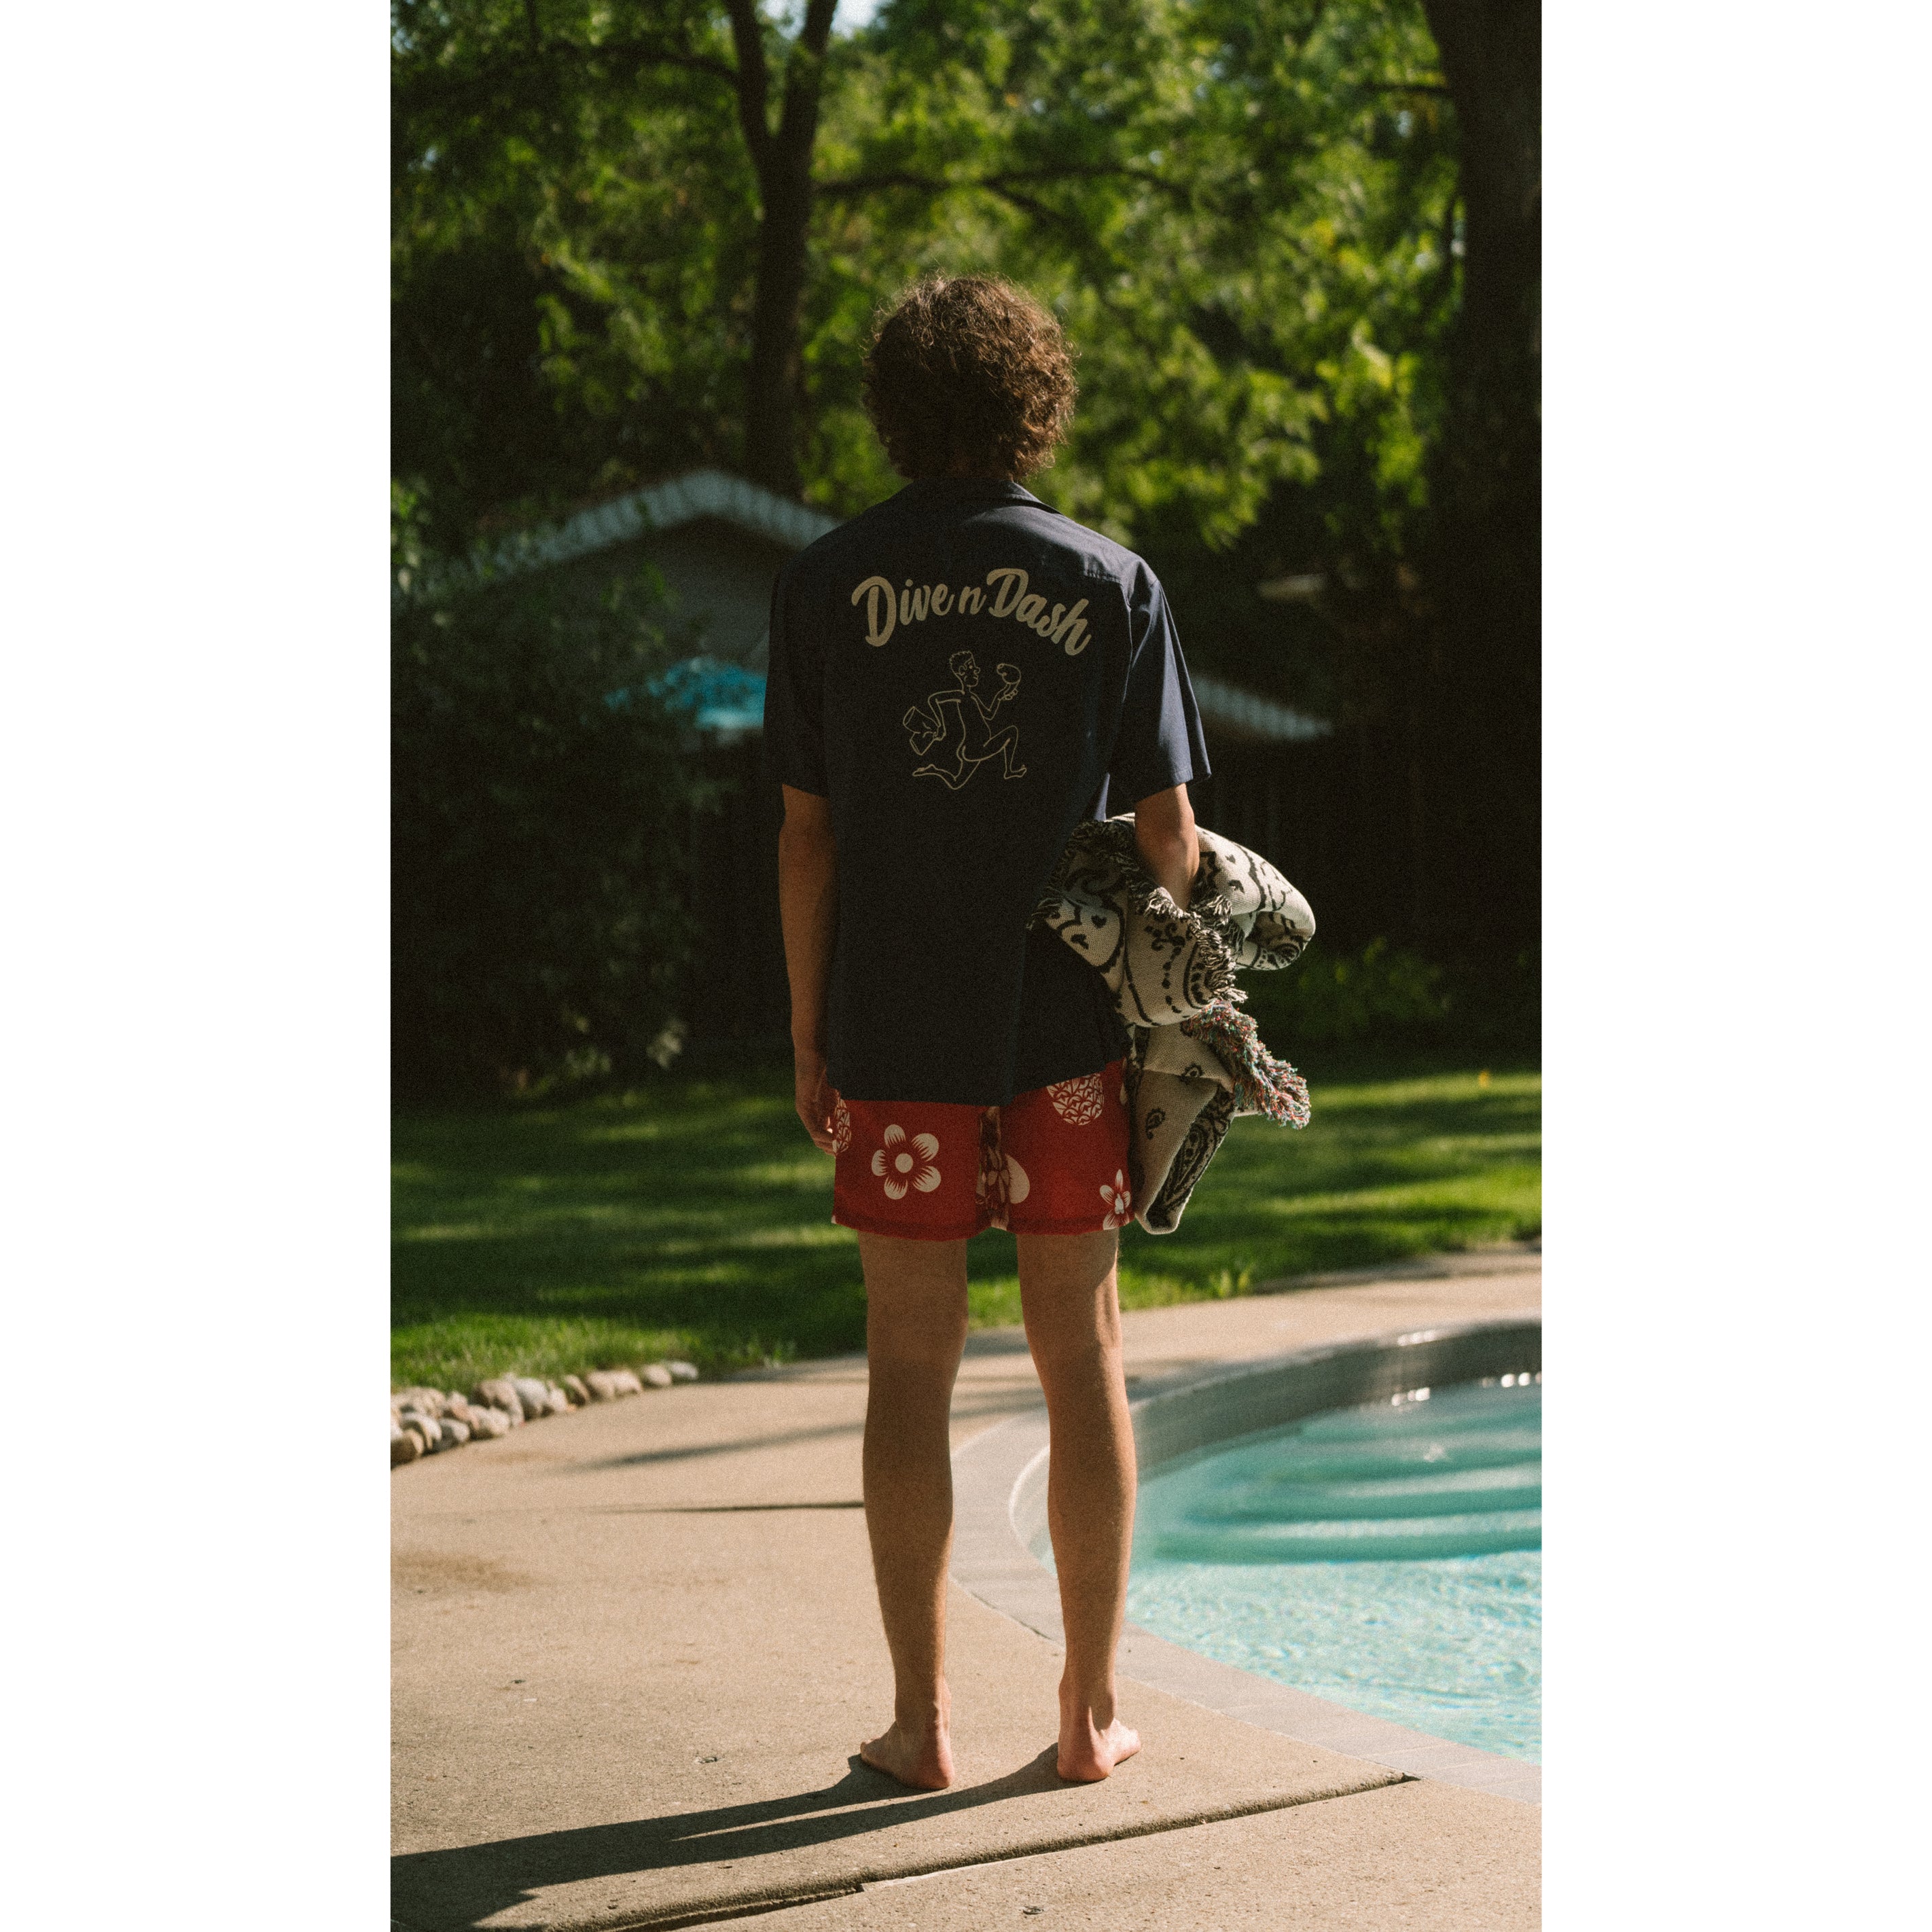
{"type": "Point", "coordinates": [631, 238]}
{"type": "Point", "coordinates": [1240, 210]}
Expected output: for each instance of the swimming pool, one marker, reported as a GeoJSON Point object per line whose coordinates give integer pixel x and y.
{"type": "Point", "coordinates": [1001, 1556]}
{"type": "Point", "coordinates": [1386, 1556]}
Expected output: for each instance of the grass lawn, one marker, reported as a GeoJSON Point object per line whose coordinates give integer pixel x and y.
{"type": "Point", "coordinates": [691, 1218]}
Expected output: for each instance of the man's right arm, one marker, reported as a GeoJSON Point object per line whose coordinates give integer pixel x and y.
{"type": "Point", "coordinates": [808, 912]}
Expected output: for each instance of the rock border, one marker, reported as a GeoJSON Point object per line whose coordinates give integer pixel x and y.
{"type": "Point", "coordinates": [428, 1421]}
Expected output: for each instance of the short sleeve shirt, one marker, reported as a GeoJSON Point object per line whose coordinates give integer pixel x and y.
{"type": "Point", "coordinates": [965, 674]}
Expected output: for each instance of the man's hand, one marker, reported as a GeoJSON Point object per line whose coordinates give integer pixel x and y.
{"type": "Point", "coordinates": [815, 1096]}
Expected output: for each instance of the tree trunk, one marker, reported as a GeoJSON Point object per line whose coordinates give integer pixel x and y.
{"type": "Point", "coordinates": [783, 159]}
{"type": "Point", "coordinates": [772, 381]}
{"type": "Point", "coordinates": [1492, 58]}
{"type": "Point", "coordinates": [1485, 570]}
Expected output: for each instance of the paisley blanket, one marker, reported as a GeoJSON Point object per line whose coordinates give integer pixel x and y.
{"type": "Point", "coordinates": [1196, 1060]}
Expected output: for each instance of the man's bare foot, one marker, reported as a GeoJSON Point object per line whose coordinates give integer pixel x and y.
{"type": "Point", "coordinates": [920, 1755]}
{"type": "Point", "coordinates": [1089, 1751]}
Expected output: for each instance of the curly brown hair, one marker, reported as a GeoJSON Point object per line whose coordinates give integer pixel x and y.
{"type": "Point", "coordinates": [969, 378]}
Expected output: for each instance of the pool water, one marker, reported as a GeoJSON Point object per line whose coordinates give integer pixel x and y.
{"type": "Point", "coordinates": [1387, 1558]}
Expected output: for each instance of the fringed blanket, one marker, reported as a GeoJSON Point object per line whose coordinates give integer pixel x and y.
{"type": "Point", "coordinates": [1196, 1060]}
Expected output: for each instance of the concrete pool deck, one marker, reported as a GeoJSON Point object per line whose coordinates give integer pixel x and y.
{"type": "Point", "coordinates": [636, 1648]}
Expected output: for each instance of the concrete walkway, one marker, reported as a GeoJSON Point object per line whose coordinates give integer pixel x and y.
{"type": "Point", "coordinates": [636, 1648]}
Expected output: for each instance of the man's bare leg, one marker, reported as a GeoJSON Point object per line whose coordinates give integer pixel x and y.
{"type": "Point", "coordinates": [915, 1334]}
{"type": "Point", "coordinates": [1069, 1292]}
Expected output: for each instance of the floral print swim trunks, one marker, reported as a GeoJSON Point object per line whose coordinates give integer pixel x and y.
{"type": "Point", "coordinates": [1054, 1162]}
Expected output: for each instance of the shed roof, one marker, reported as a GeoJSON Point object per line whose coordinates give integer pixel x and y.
{"type": "Point", "coordinates": [660, 506]}
{"type": "Point", "coordinates": [762, 513]}
{"type": "Point", "coordinates": [1242, 714]}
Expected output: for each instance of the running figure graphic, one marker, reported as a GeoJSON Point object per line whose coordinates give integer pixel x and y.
{"type": "Point", "coordinates": [944, 721]}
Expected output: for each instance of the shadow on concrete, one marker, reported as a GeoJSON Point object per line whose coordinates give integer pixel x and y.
{"type": "Point", "coordinates": [970, 1409]}
{"type": "Point", "coordinates": [719, 1509]}
{"type": "Point", "coordinates": [691, 1452]}
{"type": "Point", "coordinates": [454, 1890]}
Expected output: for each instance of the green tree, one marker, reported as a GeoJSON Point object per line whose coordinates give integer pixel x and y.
{"type": "Point", "coordinates": [1213, 195]}
{"type": "Point", "coordinates": [551, 106]}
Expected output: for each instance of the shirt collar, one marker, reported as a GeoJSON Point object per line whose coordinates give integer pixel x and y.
{"type": "Point", "coordinates": [967, 489]}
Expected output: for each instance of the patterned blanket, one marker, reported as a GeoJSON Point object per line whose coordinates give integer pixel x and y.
{"type": "Point", "coordinates": [1196, 1060]}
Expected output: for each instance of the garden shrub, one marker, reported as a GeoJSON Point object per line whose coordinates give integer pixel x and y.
{"type": "Point", "coordinates": [1382, 994]}
{"type": "Point", "coordinates": [541, 805]}
{"type": "Point", "coordinates": [1386, 996]}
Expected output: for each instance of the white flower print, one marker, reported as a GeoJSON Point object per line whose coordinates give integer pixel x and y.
{"type": "Point", "coordinates": [900, 1169]}
{"type": "Point", "coordinates": [841, 1127]}
{"type": "Point", "coordinates": [1120, 1202]}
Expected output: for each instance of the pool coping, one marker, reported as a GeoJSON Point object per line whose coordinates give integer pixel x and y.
{"type": "Point", "coordinates": [999, 1492]}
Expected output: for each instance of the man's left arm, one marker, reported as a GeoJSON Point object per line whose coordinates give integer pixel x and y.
{"type": "Point", "coordinates": [1169, 847]}
{"type": "Point", "coordinates": [1160, 748]}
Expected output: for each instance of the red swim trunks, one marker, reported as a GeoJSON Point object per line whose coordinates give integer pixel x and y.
{"type": "Point", "coordinates": [1053, 1163]}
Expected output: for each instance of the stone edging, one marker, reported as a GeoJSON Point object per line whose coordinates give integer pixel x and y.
{"type": "Point", "coordinates": [426, 1421]}
{"type": "Point", "coordinates": [999, 1483]}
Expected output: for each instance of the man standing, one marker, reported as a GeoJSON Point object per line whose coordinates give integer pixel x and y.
{"type": "Point", "coordinates": [957, 677]}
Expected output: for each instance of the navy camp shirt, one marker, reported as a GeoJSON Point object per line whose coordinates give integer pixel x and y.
{"type": "Point", "coordinates": [965, 674]}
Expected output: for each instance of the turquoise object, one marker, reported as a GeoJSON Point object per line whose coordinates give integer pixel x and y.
{"type": "Point", "coordinates": [716, 696]}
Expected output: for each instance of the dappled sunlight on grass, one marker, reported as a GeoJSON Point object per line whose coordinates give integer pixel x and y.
{"type": "Point", "coordinates": [692, 1219]}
